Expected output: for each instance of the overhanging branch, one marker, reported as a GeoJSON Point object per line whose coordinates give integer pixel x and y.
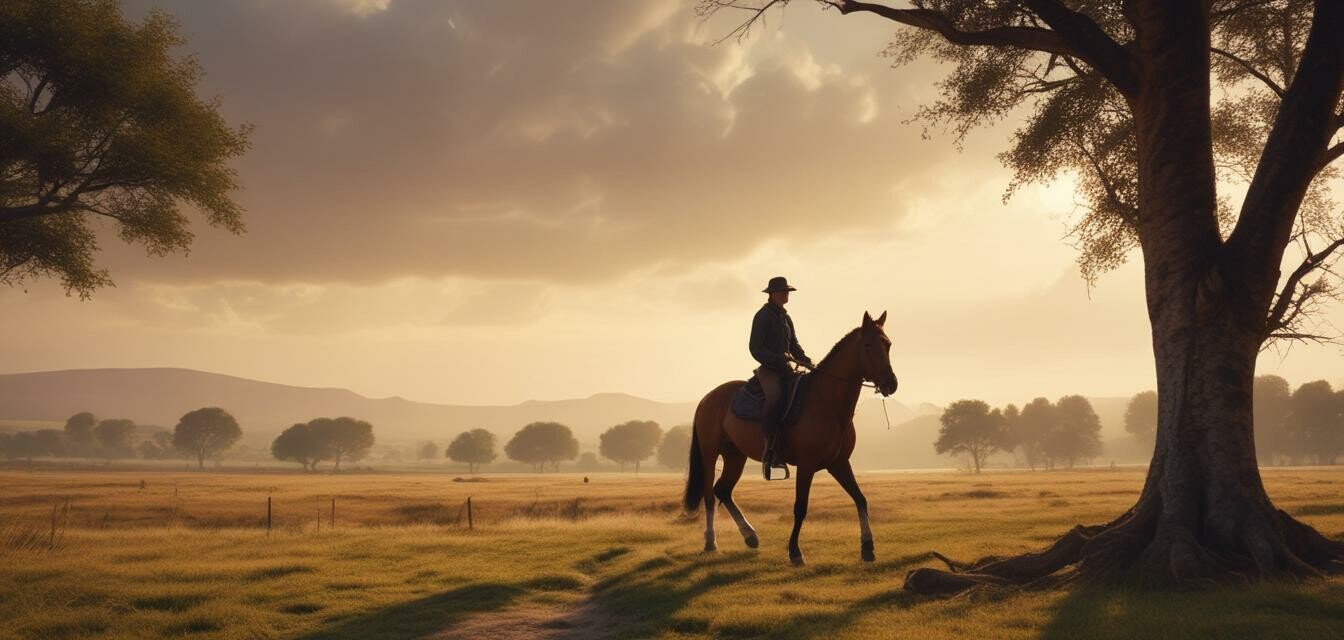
{"type": "Point", "coordinates": [1259, 75]}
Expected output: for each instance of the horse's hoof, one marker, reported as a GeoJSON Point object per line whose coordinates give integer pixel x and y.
{"type": "Point", "coordinates": [711, 547]}
{"type": "Point", "coordinates": [866, 552]}
{"type": "Point", "coordinates": [752, 541]}
{"type": "Point", "coordinates": [797, 560]}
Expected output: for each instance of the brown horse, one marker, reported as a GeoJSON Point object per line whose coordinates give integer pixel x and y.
{"type": "Point", "coordinates": [822, 438]}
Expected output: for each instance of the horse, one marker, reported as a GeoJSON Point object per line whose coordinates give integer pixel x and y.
{"type": "Point", "coordinates": [822, 438]}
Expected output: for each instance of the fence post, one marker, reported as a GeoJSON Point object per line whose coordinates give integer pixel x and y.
{"type": "Point", "coordinates": [319, 515]}
{"type": "Point", "coordinates": [333, 513]}
{"type": "Point", "coordinates": [470, 524]}
{"type": "Point", "coordinates": [268, 516]}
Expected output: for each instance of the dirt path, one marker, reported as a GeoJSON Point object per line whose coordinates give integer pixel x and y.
{"type": "Point", "coordinates": [534, 621]}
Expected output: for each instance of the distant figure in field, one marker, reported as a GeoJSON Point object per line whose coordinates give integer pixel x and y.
{"type": "Point", "coordinates": [585, 479]}
{"type": "Point", "coordinates": [774, 344]}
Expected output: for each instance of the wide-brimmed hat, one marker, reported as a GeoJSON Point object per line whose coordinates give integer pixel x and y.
{"type": "Point", "coordinates": [778, 283]}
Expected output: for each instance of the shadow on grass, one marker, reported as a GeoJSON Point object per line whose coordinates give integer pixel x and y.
{"type": "Point", "coordinates": [418, 618]}
{"type": "Point", "coordinates": [657, 595]}
{"type": "Point", "coordinates": [1264, 611]}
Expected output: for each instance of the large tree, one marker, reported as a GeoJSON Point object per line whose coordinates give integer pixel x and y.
{"type": "Point", "coordinates": [1119, 94]}
{"type": "Point", "coordinates": [630, 442]}
{"type": "Point", "coordinates": [100, 122]}
{"type": "Point", "coordinates": [1076, 434]}
{"type": "Point", "coordinates": [970, 427]}
{"type": "Point", "coordinates": [205, 432]}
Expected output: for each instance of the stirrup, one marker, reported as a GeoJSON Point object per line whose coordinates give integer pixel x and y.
{"type": "Point", "coordinates": [773, 464]}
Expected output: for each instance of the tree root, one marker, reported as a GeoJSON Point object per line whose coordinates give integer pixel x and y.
{"type": "Point", "coordinates": [1136, 549]}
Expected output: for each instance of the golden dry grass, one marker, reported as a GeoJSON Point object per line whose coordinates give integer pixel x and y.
{"type": "Point", "coordinates": [623, 564]}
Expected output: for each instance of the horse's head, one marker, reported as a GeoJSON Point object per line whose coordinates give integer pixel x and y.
{"type": "Point", "coordinates": [875, 354]}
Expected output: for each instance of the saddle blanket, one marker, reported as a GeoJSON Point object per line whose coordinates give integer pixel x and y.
{"type": "Point", "coordinates": [749, 399]}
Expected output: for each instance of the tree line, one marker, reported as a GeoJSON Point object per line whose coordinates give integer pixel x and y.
{"type": "Point", "coordinates": [202, 433]}
{"type": "Point", "coordinates": [547, 444]}
{"type": "Point", "coordinates": [1062, 433]}
{"type": "Point", "coordinates": [1291, 425]}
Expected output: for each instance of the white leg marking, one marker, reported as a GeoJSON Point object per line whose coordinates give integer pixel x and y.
{"type": "Point", "coordinates": [865, 532]}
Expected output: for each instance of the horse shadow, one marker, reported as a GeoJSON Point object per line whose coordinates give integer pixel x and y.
{"type": "Point", "coordinates": [423, 616]}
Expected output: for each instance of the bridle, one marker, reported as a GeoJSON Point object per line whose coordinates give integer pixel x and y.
{"type": "Point", "coordinates": [863, 382]}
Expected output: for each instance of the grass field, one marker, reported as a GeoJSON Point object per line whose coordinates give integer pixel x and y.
{"type": "Point", "coordinates": [550, 556]}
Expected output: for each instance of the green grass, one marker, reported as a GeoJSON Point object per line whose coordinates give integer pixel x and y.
{"type": "Point", "coordinates": [621, 565]}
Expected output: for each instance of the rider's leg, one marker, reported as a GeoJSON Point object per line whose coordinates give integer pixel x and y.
{"type": "Point", "coordinates": [772, 384]}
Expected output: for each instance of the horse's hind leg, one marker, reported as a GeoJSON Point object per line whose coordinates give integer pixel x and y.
{"type": "Point", "coordinates": [844, 474]}
{"type": "Point", "coordinates": [733, 463]}
{"type": "Point", "coordinates": [709, 460]}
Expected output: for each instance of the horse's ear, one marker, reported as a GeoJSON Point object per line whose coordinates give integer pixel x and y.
{"type": "Point", "coordinates": [882, 319]}
{"type": "Point", "coordinates": [867, 319]}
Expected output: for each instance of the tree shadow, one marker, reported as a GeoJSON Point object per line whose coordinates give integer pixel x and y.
{"type": "Point", "coordinates": [1261, 611]}
{"type": "Point", "coordinates": [418, 618]}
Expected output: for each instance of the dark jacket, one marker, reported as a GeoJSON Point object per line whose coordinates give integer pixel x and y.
{"type": "Point", "coordinates": [772, 336]}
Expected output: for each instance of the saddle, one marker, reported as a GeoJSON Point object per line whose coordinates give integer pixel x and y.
{"type": "Point", "coordinates": [749, 400]}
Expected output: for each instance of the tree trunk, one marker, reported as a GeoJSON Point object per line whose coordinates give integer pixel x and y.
{"type": "Point", "coordinates": [200, 459]}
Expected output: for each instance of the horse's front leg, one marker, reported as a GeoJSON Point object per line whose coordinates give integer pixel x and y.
{"type": "Point", "coordinates": [844, 474]}
{"type": "Point", "coordinates": [801, 491]}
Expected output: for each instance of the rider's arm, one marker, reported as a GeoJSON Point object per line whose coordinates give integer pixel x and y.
{"type": "Point", "coordinates": [797, 349]}
{"type": "Point", "coordinates": [760, 328]}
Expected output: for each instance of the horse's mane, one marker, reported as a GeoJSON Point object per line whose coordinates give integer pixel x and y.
{"type": "Point", "coordinates": [836, 349]}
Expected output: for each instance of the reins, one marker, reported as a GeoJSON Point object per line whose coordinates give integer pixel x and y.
{"type": "Point", "coordinates": [862, 383]}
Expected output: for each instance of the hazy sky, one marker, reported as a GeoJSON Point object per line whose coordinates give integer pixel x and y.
{"type": "Point", "coordinates": [487, 202]}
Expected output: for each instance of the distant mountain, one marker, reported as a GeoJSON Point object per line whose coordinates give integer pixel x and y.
{"type": "Point", "coordinates": [161, 396]}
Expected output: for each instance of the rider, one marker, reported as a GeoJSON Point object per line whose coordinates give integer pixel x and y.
{"type": "Point", "coordinates": [774, 344]}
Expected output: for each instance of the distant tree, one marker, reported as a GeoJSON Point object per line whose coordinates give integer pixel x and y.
{"type": "Point", "coordinates": [588, 462]}
{"type": "Point", "coordinates": [1077, 432]}
{"type": "Point", "coordinates": [542, 443]}
{"type": "Point", "coordinates": [1272, 401]}
{"type": "Point", "coordinates": [1141, 417]}
{"type": "Point", "coordinates": [970, 427]}
{"type": "Point", "coordinates": [22, 445]}
{"type": "Point", "coordinates": [114, 438]}
{"type": "Point", "coordinates": [346, 438]}
{"type": "Point", "coordinates": [672, 452]}
{"type": "Point", "coordinates": [79, 438]}
{"type": "Point", "coordinates": [299, 443]}
{"type": "Point", "coordinates": [630, 442]}
{"type": "Point", "coordinates": [475, 447]}
{"type": "Point", "coordinates": [1030, 429]}
{"type": "Point", "coordinates": [49, 442]}
{"type": "Point", "coordinates": [205, 432]}
{"type": "Point", "coordinates": [7, 445]}
{"type": "Point", "coordinates": [1315, 418]}
{"type": "Point", "coordinates": [428, 451]}
{"type": "Point", "coordinates": [102, 125]}
{"type": "Point", "coordinates": [149, 451]}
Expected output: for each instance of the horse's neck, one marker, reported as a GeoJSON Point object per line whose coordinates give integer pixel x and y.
{"type": "Point", "coordinates": [842, 380]}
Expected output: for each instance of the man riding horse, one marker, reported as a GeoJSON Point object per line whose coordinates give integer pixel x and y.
{"type": "Point", "coordinates": [774, 344]}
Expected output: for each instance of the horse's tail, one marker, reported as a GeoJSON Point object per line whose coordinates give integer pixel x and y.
{"type": "Point", "coordinates": [695, 480]}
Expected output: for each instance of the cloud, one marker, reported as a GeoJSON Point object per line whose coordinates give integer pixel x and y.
{"type": "Point", "coordinates": [562, 142]}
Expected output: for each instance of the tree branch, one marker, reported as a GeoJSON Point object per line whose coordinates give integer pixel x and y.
{"type": "Point", "coordinates": [1332, 154]}
{"type": "Point", "coordinates": [1033, 38]}
{"type": "Point", "coordinates": [1289, 305]}
{"type": "Point", "coordinates": [1292, 153]}
{"type": "Point", "coordinates": [1269, 82]}
{"type": "Point", "coordinates": [1094, 45]}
